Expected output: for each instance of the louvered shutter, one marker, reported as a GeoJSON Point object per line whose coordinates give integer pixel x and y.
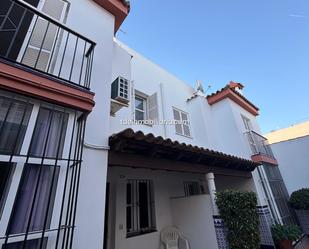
{"type": "Point", "coordinates": [185, 124]}
{"type": "Point", "coordinates": [177, 118]}
{"type": "Point", "coordinates": [152, 107]}
{"type": "Point", "coordinates": [32, 55]}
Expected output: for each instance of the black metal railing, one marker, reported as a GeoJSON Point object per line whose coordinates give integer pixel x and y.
{"type": "Point", "coordinates": [38, 41]}
{"type": "Point", "coordinates": [259, 144]}
{"type": "Point", "coordinates": [29, 218]}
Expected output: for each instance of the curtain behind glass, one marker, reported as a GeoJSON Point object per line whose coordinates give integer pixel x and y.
{"type": "Point", "coordinates": [25, 197]}
{"type": "Point", "coordinates": [49, 132]}
{"type": "Point", "coordinates": [14, 117]}
{"type": "Point", "coordinates": [31, 244]}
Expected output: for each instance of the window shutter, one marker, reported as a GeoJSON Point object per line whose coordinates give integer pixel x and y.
{"type": "Point", "coordinates": [53, 8]}
{"type": "Point", "coordinates": [152, 107]}
{"type": "Point", "coordinates": [185, 124]}
{"type": "Point", "coordinates": [177, 119]}
{"type": "Point", "coordinates": [132, 100]}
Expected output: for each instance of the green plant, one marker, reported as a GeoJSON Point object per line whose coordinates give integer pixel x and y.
{"type": "Point", "coordinates": [285, 232]}
{"type": "Point", "coordinates": [300, 199]}
{"type": "Point", "coordinates": [238, 210]}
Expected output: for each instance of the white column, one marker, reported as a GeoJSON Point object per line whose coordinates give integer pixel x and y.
{"type": "Point", "coordinates": [212, 191]}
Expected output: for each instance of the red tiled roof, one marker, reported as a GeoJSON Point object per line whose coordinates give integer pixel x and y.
{"type": "Point", "coordinates": [229, 92]}
{"type": "Point", "coordinates": [138, 142]}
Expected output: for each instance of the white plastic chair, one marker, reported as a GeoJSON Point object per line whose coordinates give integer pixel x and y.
{"type": "Point", "coordinates": [172, 239]}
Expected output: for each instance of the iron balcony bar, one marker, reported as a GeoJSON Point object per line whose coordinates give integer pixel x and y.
{"type": "Point", "coordinates": [69, 57]}
{"type": "Point", "coordinates": [64, 230]}
{"type": "Point", "coordinates": [259, 144]}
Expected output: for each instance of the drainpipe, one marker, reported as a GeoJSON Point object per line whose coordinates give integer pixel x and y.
{"type": "Point", "coordinates": [163, 109]}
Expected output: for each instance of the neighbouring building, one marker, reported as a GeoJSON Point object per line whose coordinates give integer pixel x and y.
{"type": "Point", "coordinates": [290, 146]}
{"type": "Point", "coordinates": [55, 64]}
{"type": "Point", "coordinates": [101, 148]}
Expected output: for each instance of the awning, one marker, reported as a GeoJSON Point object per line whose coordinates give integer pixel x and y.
{"type": "Point", "coordinates": [131, 142]}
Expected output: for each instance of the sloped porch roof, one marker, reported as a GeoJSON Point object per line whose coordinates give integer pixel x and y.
{"type": "Point", "coordinates": [148, 145]}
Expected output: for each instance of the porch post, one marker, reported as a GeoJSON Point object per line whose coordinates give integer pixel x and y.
{"type": "Point", "coordinates": [212, 191]}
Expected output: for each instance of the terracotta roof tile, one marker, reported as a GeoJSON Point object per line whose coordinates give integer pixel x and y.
{"type": "Point", "coordinates": [148, 140]}
{"type": "Point", "coordinates": [231, 87]}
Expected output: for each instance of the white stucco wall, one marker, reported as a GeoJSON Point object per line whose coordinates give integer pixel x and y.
{"type": "Point", "coordinates": [193, 216]}
{"type": "Point", "coordinates": [292, 156]}
{"type": "Point", "coordinates": [94, 22]}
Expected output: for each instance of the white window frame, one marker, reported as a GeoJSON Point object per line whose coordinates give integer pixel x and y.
{"type": "Point", "coordinates": [145, 111]}
{"type": "Point", "coordinates": [247, 123]}
{"type": "Point", "coordinates": [57, 38]}
{"type": "Point", "coordinates": [181, 120]}
{"type": "Point", "coordinates": [152, 226]}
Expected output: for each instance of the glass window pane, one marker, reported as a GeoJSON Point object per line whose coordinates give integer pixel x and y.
{"type": "Point", "coordinates": [6, 172]}
{"type": "Point", "coordinates": [139, 115]}
{"type": "Point", "coordinates": [14, 118]}
{"type": "Point", "coordinates": [36, 186]}
{"type": "Point", "coordinates": [139, 103]}
{"type": "Point", "coordinates": [49, 133]}
{"type": "Point", "coordinates": [143, 205]}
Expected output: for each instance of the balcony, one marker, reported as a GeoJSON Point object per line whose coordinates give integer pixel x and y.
{"type": "Point", "coordinates": [261, 150]}
{"type": "Point", "coordinates": [42, 44]}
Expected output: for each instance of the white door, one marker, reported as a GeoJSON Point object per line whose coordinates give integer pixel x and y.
{"type": "Point", "coordinates": [41, 39]}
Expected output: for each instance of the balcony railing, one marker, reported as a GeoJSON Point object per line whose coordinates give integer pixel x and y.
{"type": "Point", "coordinates": [43, 43]}
{"type": "Point", "coordinates": [259, 144]}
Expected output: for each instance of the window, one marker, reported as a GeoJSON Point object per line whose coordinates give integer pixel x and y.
{"type": "Point", "coordinates": [181, 123]}
{"type": "Point", "coordinates": [37, 186]}
{"type": "Point", "coordinates": [192, 188]}
{"type": "Point", "coordinates": [140, 108]}
{"type": "Point", "coordinates": [140, 207]}
{"type": "Point", "coordinates": [6, 172]}
{"type": "Point", "coordinates": [49, 133]}
{"type": "Point", "coordinates": [247, 123]}
{"type": "Point", "coordinates": [14, 117]}
{"type": "Point", "coordinates": [146, 107]}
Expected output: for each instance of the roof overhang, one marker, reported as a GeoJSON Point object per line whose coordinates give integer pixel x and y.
{"type": "Point", "coordinates": [119, 8]}
{"type": "Point", "coordinates": [34, 84]}
{"type": "Point", "coordinates": [232, 94]}
{"type": "Point", "coordinates": [147, 145]}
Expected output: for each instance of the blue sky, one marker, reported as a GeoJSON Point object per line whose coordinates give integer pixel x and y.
{"type": "Point", "coordinates": [263, 44]}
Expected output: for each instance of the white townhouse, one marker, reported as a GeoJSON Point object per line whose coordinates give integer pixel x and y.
{"type": "Point", "coordinates": [77, 172]}
{"type": "Point", "coordinates": [55, 75]}
{"type": "Point", "coordinates": [164, 173]}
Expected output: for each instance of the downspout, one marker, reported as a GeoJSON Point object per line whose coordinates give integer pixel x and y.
{"type": "Point", "coordinates": [163, 109]}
